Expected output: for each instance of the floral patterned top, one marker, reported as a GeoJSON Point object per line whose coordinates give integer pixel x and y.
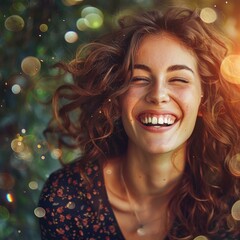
{"type": "Point", "coordinates": [76, 211]}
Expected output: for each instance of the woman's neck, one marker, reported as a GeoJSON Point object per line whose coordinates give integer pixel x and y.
{"type": "Point", "coordinates": [139, 187]}
{"type": "Point", "coordinates": [150, 176]}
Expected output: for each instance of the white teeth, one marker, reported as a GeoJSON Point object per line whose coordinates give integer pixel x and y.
{"type": "Point", "coordinates": [149, 120]}
{"type": "Point", "coordinates": [154, 120]}
{"type": "Point", "coordinates": [162, 119]}
{"type": "Point", "coordinates": [146, 120]}
{"type": "Point", "coordinates": [165, 120]}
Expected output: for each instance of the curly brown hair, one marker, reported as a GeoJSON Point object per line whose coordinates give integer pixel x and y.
{"type": "Point", "coordinates": [102, 72]}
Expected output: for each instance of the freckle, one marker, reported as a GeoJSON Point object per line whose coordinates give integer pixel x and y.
{"type": "Point", "coordinates": [164, 179]}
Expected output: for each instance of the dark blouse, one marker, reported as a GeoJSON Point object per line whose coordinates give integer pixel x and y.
{"type": "Point", "coordinates": [76, 211]}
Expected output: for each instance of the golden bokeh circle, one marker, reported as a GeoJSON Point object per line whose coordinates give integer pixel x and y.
{"type": "Point", "coordinates": [208, 15]}
{"type": "Point", "coordinates": [230, 69]}
{"type": "Point", "coordinates": [235, 211]}
{"type": "Point", "coordinates": [31, 65]}
{"type": "Point", "coordinates": [14, 23]}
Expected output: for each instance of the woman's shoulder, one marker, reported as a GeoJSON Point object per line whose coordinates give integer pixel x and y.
{"type": "Point", "coordinates": [71, 177]}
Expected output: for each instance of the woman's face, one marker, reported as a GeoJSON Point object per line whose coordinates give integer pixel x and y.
{"type": "Point", "coordinates": [160, 108]}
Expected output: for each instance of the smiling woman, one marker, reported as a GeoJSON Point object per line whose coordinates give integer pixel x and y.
{"type": "Point", "coordinates": [159, 131]}
{"type": "Point", "coordinates": [166, 86]}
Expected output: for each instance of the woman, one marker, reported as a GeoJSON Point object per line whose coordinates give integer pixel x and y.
{"type": "Point", "coordinates": [159, 132]}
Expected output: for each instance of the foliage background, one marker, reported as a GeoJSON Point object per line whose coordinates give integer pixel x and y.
{"type": "Point", "coordinates": [26, 160]}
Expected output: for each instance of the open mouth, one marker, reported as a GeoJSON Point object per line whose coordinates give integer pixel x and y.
{"type": "Point", "coordinates": [163, 120]}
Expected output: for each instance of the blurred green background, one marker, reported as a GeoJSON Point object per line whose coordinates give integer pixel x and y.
{"type": "Point", "coordinates": [33, 36]}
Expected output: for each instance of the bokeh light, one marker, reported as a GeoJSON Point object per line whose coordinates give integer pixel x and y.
{"type": "Point", "coordinates": [208, 15]}
{"type": "Point", "coordinates": [22, 147]}
{"type": "Point", "coordinates": [234, 165]}
{"type": "Point", "coordinates": [230, 69]}
{"type": "Point", "coordinates": [56, 153]}
{"type": "Point", "coordinates": [200, 237]}
{"type": "Point", "coordinates": [71, 36]}
{"type": "Point", "coordinates": [93, 17]}
{"type": "Point", "coordinates": [14, 23]}
{"type": "Point", "coordinates": [9, 197]}
{"type": "Point", "coordinates": [33, 185]}
{"type": "Point", "coordinates": [43, 27]}
{"type": "Point", "coordinates": [16, 89]}
{"type": "Point", "coordinates": [81, 24]}
{"type": "Point", "coordinates": [235, 211]}
{"type": "Point", "coordinates": [39, 212]}
{"type": "Point", "coordinates": [23, 131]}
{"type": "Point", "coordinates": [41, 147]}
{"type": "Point", "coordinates": [94, 20]}
{"type": "Point", "coordinates": [31, 65]}
{"type": "Point", "coordinates": [17, 145]}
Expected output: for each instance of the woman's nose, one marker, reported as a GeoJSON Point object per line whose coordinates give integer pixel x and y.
{"type": "Point", "coordinates": [158, 94]}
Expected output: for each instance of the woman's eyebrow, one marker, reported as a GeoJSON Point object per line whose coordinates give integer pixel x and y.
{"type": "Point", "coordinates": [142, 66]}
{"type": "Point", "coordinates": [169, 69]}
{"type": "Point", "coordinates": [179, 67]}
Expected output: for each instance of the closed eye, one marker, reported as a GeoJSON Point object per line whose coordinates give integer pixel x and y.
{"type": "Point", "coordinates": [140, 80]}
{"type": "Point", "coordinates": [180, 80]}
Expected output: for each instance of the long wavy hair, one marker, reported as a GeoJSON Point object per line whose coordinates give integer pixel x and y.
{"type": "Point", "coordinates": [88, 111]}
